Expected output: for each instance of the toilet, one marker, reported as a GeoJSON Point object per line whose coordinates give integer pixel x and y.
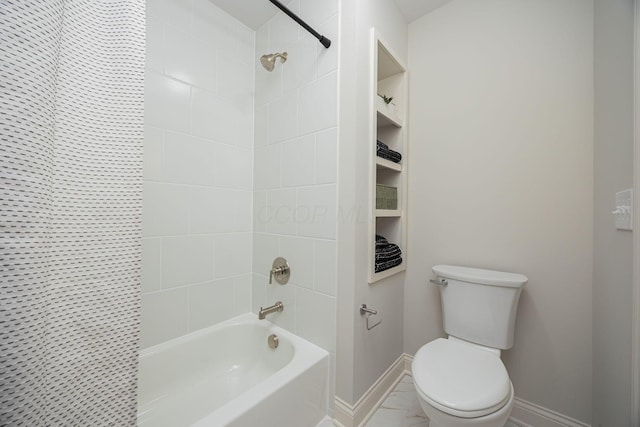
{"type": "Point", "coordinates": [461, 380]}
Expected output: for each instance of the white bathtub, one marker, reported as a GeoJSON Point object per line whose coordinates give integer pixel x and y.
{"type": "Point", "coordinates": [227, 375]}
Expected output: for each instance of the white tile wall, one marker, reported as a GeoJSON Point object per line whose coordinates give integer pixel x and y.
{"type": "Point", "coordinates": [295, 173]}
{"type": "Point", "coordinates": [240, 167]}
{"type": "Point", "coordinates": [198, 168]}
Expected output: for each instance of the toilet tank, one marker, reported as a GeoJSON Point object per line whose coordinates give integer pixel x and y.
{"type": "Point", "coordinates": [480, 305]}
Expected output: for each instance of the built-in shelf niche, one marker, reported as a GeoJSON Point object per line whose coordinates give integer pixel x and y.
{"type": "Point", "coordinates": [388, 124]}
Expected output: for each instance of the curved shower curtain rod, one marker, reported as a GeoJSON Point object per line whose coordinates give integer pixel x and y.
{"type": "Point", "coordinates": [322, 39]}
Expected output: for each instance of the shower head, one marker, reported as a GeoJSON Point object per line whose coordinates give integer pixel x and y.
{"type": "Point", "coordinates": [269, 61]}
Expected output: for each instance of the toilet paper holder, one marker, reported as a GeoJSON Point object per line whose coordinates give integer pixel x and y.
{"type": "Point", "coordinates": [366, 311]}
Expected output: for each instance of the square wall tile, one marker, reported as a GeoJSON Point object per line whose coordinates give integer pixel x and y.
{"type": "Point", "coordinates": [233, 167]}
{"type": "Point", "coordinates": [221, 120]}
{"type": "Point", "coordinates": [327, 156]}
{"type": "Point", "coordinates": [261, 126]}
{"type": "Point", "coordinates": [235, 82]}
{"type": "Point", "coordinates": [266, 248]}
{"type": "Point", "coordinates": [164, 209]}
{"type": "Point", "coordinates": [166, 102]}
{"type": "Point", "coordinates": [315, 318]}
{"type": "Point", "coordinates": [175, 12]}
{"type": "Point", "coordinates": [222, 30]}
{"type": "Point", "coordinates": [211, 210]}
{"type": "Point", "coordinates": [298, 161]}
{"type": "Point", "coordinates": [316, 13]}
{"type": "Point", "coordinates": [298, 252]}
{"type": "Point", "coordinates": [325, 267]}
{"type": "Point", "coordinates": [212, 23]}
{"type": "Point", "coordinates": [318, 103]}
{"type": "Point", "coordinates": [151, 264]}
{"type": "Point", "coordinates": [154, 49]}
{"type": "Point", "coordinates": [210, 303]}
{"type": "Point", "coordinates": [262, 40]}
{"type": "Point", "coordinates": [302, 69]}
{"type": "Point", "coordinates": [316, 211]}
{"type": "Point", "coordinates": [268, 163]}
{"type": "Point", "coordinates": [258, 292]}
{"type": "Point", "coordinates": [243, 210]}
{"type": "Point", "coordinates": [281, 212]}
{"type": "Point", "coordinates": [152, 159]}
{"type": "Point", "coordinates": [164, 316]}
{"type": "Point", "coordinates": [283, 118]}
{"type": "Point", "coordinates": [260, 211]}
{"type": "Point", "coordinates": [186, 260]}
{"type": "Point", "coordinates": [328, 58]}
{"type": "Point", "coordinates": [268, 83]}
{"type": "Point", "coordinates": [242, 294]}
{"type": "Point", "coordinates": [282, 31]}
{"type": "Point", "coordinates": [189, 59]}
{"type": "Point", "coordinates": [188, 160]}
{"type": "Point", "coordinates": [233, 254]}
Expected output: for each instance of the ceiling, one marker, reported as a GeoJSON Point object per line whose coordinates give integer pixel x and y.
{"type": "Point", "coordinates": [254, 13]}
{"type": "Point", "coordinates": [414, 9]}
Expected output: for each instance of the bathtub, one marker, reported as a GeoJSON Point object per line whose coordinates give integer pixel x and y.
{"type": "Point", "coordinates": [227, 375]}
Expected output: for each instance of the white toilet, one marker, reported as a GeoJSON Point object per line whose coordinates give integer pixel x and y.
{"type": "Point", "coordinates": [461, 381]}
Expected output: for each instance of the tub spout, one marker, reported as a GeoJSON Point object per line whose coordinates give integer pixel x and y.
{"type": "Point", "coordinates": [279, 306]}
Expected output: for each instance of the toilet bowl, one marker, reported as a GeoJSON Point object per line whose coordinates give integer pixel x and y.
{"type": "Point", "coordinates": [461, 380]}
{"type": "Point", "coordinates": [461, 384]}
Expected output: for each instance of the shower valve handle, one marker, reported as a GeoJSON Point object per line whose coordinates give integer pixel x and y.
{"type": "Point", "coordinates": [280, 271]}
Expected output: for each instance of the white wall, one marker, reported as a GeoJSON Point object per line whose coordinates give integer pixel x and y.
{"type": "Point", "coordinates": [613, 168]}
{"type": "Point", "coordinates": [501, 177]}
{"type": "Point", "coordinates": [363, 355]}
{"type": "Point", "coordinates": [295, 172]}
{"type": "Point", "coordinates": [198, 154]}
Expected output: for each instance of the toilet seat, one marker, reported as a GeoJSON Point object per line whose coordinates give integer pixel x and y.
{"type": "Point", "coordinates": [461, 379]}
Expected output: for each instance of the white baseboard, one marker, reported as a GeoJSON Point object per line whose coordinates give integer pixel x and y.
{"type": "Point", "coordinates": [523, 414]}
{"type": "Point", "coordinates": [358, 414]}
{"type": "Point", "coordinates": [529, 414]}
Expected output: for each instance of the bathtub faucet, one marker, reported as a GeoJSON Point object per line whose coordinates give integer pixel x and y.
{"type": "Point", "coordinates": [279, 306]}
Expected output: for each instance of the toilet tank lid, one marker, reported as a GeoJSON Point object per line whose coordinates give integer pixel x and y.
{"type": "Point", "coordinates": [480, 276]}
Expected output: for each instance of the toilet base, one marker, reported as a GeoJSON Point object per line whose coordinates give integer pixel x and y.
{"type": "Point", "coordinates": [437, 418]}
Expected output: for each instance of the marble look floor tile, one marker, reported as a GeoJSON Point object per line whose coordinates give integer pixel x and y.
{"type": "Point", "coordinates": [416, 422]}
{"type": "Point", "coordinates": [326, 423]}
{"type": "Point", "coordinates": [399, 400]}
{"type": "Point", "coordinates": [401, 408]}
{"type": "Point", "coordinates": [405, 386]}
{"type": "Point", "coordinates": [387, 417]}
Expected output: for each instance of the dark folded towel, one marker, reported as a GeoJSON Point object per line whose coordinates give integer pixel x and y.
{"type": "Point", "coordinates": [387, 265]}
{"type": "Point", "coordinates": [387, 254]}
{"type": "Point", "coordinates": [383, 150]}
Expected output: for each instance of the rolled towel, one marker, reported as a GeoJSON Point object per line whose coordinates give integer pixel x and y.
{"type": "Point", "coordinates": [383, 150]}
{"type": "Point", "coordinates": [381, 241]}
{"type": "Point", "coordinates": [382, 266]}
{"type": "Point", "coordinates": [388, 253]}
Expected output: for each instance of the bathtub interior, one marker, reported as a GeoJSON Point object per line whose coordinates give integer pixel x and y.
{"type": "Point", "coordinates": [187, 379]}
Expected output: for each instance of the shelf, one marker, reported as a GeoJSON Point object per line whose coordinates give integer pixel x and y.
{"type": "Point", "coordinates": [390, 272]}
{"type": "Point", "coordinates": [388, 213]}
{"type": "Point", "coordinates": [386, 120]}
{"type": "Point", "coordinates": [387, 64]}
{"type": "Point", "coordinates": [387, 123]}
{"type": "Point", "coordinates": [388, 164]}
